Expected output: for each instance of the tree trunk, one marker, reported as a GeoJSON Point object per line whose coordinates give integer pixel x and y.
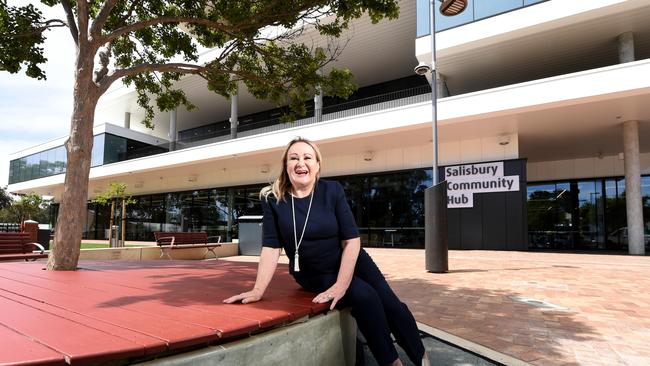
{"type": "Point", "coordinates": [73, 208]}
{"type": "Point", "coordinates": [123, 223]}
{"type": "Point", "coordinates": [111, 222]}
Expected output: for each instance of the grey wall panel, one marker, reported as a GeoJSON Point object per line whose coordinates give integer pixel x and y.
{"type": "Point", "coordinates": [497, 221]}
{"type": "Point", "coordinates": [494, 215]}
{"type": "Point", "coordinates": [471, 226]}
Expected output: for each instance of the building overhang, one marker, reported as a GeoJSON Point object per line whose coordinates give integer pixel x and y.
{"type": "Point", "coordinates": [569, 116]}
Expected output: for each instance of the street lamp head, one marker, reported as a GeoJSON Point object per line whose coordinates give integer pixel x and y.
{"type": "Point", "coordinates": [452, 7]}
{"type": "Point", "coordinates": [422, 68]}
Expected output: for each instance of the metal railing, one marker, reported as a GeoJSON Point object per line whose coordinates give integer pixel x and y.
{"type": "Point", "coordinates": [9, 227]}
{"type": "Point", "coordinates": [357, 107]}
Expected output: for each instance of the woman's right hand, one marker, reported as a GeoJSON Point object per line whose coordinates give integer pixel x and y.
{"type": "Point", "coordinates": [245, 297]}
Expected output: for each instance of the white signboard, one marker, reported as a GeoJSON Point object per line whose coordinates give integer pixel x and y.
{"type": "Point", "coordinates": [465, 180]}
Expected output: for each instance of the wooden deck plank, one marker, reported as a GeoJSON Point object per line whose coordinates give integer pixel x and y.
{"type": "Point", "coordinates": [151, 345]}
{"type": "Point", "coordinates": [16, 349]}
{"type": "Point", "coordinates": [154, 306]}
{"type": "Point", "coordinates": [176, 334]}
{"type": "Point", "coordinates": [64, 335]}
{"type": "Point", "coordinates": [206, 293]}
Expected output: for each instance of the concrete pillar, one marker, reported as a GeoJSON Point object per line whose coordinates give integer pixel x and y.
{"type": "Point", "coordinates": [626, 47]}
{"type": "Point", "coordinates": [127, 120]}
{"type": "Point", "coordinates": [173, 133]}
{"type": "Point", "coordinates": [634, 205]}
{"type": "Point", "coordinates": [441, 86]}
{"type": "Point", "coordinates": [318, 101]}
{"type": "Point", "coordinates": [234, 121]}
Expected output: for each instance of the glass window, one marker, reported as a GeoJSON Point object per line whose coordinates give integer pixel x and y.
{"type": "Point", "coordinates": [591, 214]}
{"type": "Point", "coordinates": [60, 159]}
{"type": "Point", "coordinates": [476, 10]}
{"type": "Point", "coordinates": [616, 216]}
{"type": "Point", "coordinates": [114, 148]}
{"type": "Point", "coordinates": [13, 170]}
{"type": "Point", "coordinates": [550, 215]}
{"type": "Point", "coordinates": [486, 8]}
{"type": "Point", "coordinates": [173, 216]}
{"type": "Point", "coordinates": [214, 213]}
{"type": "Point", "coordinates": [97, 154]}
{"type": "Point", "coordinates": [422, 14]}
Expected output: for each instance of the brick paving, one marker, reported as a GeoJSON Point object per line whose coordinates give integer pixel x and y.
{"type": "Point", "coordinates": [603, 302]}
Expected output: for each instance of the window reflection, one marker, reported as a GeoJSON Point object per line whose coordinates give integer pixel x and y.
{"type": "Point", "coordinates": [106, 149]}
{"type": "Point", "coordinates": [583, 215]}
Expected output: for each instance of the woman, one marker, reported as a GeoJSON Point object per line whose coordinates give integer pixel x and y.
{"type": "Point", "coordinates": [311, 220]}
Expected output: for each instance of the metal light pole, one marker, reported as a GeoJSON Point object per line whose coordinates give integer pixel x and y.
{"type": "Point", "coordinates": [435, 198]}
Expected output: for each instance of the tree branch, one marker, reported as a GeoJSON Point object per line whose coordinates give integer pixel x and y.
{"type": "Point", "coordinates": [82, 17]}
{"type": "Point", "coordinates": [72, 24]}
{"type": "Point", "coordinates": [52, 23]}
{"type": "Point", "coordinates": [180, 68]}
{"type": "Point", "coordinates": [129, 13]}
{"type": "Point", "coordinates": [101, 18]}
{"type": "Point", "coordinates": [163, 20]}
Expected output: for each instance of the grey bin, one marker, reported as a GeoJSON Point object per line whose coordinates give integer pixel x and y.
{"type": "Point", "coordinates": [250, 235]}
{"type": "Point", "coordinates": [43, 238]}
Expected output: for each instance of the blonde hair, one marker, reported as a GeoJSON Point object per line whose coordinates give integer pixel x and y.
{"type": "Point", "coordinates": [281, 185]}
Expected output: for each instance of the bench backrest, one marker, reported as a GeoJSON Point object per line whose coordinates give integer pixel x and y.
{"type": "Point", "coordinates": [12, 243]}
{"type": "Point", "coordinates": [165, 238]}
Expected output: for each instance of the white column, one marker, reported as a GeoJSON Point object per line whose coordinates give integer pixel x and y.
{"type": "Point", "coordinates": [442, 86]}
{"type": "Point", "coordinates": [318, 101]}
{"type": "Point", "coordinates": [626, 47]}
{"type": "Point", "coordinates": [127, 119]}
{"type": "Point", "coordinates": [634, 205]}
{"type": "Point", "coordinates": [173, 133]}
{"type": "Point", "coordinates": [234, 121]}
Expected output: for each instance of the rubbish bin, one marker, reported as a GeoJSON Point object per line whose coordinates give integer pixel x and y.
{"type": "Point", "coordinates": [115, 243]}
{"type": "Point", "coordinates": [250, 235]}
{"type": "Point", "coordinates": [44, 238]}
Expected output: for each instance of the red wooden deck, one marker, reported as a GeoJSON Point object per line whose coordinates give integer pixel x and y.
{"type": "Point", "coordinates": [116, 310]}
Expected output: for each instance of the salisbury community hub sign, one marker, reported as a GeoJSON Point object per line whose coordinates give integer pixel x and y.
{"type": "Point", "coordinates": [463, 181]}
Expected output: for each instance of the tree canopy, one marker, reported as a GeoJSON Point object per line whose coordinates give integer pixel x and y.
{"type": "Point", "coordinates": [28, 207]}
{"type": "Point", "coordinates": [5, 199]}
{"type": "Point", "coordinates": [151, 44]}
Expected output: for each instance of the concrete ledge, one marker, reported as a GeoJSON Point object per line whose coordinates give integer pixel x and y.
{"type": "Point", "coordinates": [472, 347]}
{"type": "Point", "coordinates": [328, 339]}
{"type": "Point", "coordinates": [153, 252]}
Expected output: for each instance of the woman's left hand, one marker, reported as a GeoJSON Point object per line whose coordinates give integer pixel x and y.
{"type": "Point", "coordinates": [333, 294]}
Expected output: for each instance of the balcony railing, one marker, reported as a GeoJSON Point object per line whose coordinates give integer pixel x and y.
{"type": "Point", "coordinates": [342, 110]}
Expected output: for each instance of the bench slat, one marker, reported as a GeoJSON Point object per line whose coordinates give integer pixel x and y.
{"type": "Point", "coordinates": [17, 246]}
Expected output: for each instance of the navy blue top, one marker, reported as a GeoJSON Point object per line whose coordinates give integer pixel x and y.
{"type": "Point", "coordinates": [330, 221]}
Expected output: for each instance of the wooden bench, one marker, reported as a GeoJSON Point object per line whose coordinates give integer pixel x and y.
{"type": "Point", "coordinates": [168, 241]}
{"type": "Point", "coordinates": [19, 246]}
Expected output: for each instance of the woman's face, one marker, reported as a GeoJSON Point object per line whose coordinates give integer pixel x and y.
{"type": "Point", "coordinates": [302, 165]}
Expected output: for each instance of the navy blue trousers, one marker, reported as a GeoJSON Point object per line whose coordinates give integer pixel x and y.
{"type": "Point", "coordinates": [376, 309]}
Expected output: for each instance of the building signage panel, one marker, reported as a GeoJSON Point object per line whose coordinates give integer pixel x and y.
{"type": "Point", "coordinates": [465, 180]}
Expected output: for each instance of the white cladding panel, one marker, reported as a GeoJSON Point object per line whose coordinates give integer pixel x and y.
{"type": "Point", "coordinates": [606, 166]}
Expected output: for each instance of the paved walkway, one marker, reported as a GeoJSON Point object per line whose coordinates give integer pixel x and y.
{"type": "Point", "coordinates": [542, 308]}
{"type": "Point", "coordinates": [582, 309]}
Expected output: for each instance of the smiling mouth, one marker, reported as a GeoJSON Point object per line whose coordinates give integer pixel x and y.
{"type": "Point", "coordinates": [302, 172]}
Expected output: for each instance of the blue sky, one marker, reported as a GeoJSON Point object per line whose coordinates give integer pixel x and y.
{"type": "Point", "coordinates": [36, 111]}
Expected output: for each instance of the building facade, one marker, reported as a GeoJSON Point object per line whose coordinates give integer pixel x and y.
{"type": "Point", "coordinates": [561, 85]}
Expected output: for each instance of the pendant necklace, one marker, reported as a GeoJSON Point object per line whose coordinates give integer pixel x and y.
{"type": "Point", "coordinates": [296, 265]}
